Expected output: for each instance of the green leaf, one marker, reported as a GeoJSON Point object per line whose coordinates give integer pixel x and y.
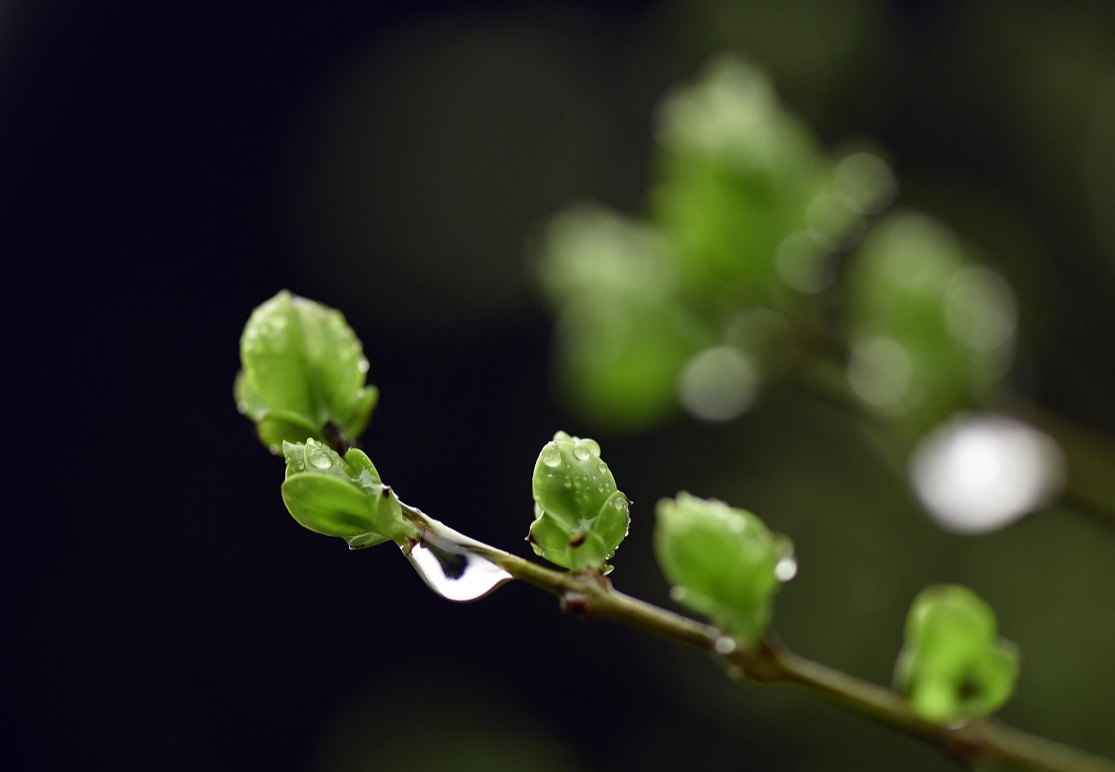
{"type": "Point", "coordinates": [580, 516]}
{"type": "Point", "coordinates": [954, 666]}
{"type": "Point", "coordinates": [341, 497]}
{"type": "Point", "coordinates": [721, 562]}
{"type": "Point", "coordinates": [302, 366]}
{"type": "Point", "coordinates": [329, 506]}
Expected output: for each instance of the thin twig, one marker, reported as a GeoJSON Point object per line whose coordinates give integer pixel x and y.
{"type": "Point", "coordinates": [592, 596]}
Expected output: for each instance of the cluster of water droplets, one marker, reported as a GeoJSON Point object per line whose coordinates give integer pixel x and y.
{"type": "Point", "coordinates": [583, 450]}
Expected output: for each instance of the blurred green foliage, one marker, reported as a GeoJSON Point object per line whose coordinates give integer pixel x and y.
{"type": "Point", "coordinates": [753, 267]}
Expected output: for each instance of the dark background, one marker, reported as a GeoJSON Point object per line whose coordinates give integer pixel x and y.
{"type": "Point", "coordinates": [164, 167]}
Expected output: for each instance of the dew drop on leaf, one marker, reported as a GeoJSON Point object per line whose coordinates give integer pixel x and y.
{"type": "Point", "coordinates": [551, 456]}
{"type": "Point", "coordinates": [320, 459]}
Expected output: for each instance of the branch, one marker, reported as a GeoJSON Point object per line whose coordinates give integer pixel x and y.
{"type": "Point", "coordinates": [591, 596]}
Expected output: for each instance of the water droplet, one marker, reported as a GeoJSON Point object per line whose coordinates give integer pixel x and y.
{"type": "Point", "coordinates": [567, 482]}
{"type": "Point", "coordinates": [551, 456]}
{"type": "Point", "coordinates": [725, 645]}
{"type": "Point", "coordinates": [677, 593]}
{"type": "Point", "coordinates": [452, 571]}
{"type": "Point", "coordinates": [786, 569]}
{"type": "Point", "coordinates": [362, 365]}
{"type": "Point", "coordinates": [581, 451]}
{"type": "Point", "coordinates": [320, 458]}
{"type": "Point", "coordinates": [735, 672]}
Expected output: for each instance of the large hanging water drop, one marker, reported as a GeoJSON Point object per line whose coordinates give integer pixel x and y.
{"type": "Point", "coordinates": [452, 570]}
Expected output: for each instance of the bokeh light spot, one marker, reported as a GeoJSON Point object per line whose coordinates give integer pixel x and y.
{"type": "Point", "coordinates": [718, 384]}
{"type": "Point", "coordinates": [979, 472]}
{"type": "Point", "coordinates": [980, 309]}
{"type": "Point", "coordinates": [880, 371]}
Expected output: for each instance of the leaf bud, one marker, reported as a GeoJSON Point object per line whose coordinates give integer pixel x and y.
{"type": "Point", "coordinates": [341, 496]}
{"type": "Point", "coordinates": [954, 665]}
{"type": "Point", "coordinates": [722, 562]}
{"type": "Point", "coordinates": [580, 516]}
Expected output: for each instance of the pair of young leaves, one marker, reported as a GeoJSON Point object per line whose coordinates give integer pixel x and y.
{"type": "Point", "coordinates": [303, 384]}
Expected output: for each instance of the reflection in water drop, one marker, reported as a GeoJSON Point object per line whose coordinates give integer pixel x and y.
{"type": "Point", "coordinates": [978, 473]}
{"type": "Point", "coordinates": [453, 571]}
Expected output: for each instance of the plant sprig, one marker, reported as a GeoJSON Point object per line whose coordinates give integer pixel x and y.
{"type": "Point", "coordinates": [723, 562]}
{"type": "Point", "coordinates": [591, 596]}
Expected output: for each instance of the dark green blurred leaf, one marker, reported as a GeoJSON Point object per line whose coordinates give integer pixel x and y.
{"type": "Point", "coordinates": [722, 562]}
{"type": "Point", "coordinates": [954, 665]}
